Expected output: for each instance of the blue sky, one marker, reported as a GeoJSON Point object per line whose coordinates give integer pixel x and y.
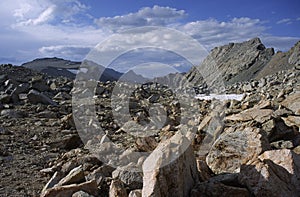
{"type": "Point", "coordinates": [69, 29]}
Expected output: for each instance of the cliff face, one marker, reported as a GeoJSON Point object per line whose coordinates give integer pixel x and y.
{"type": "Point", "coordinates": [231, 63]}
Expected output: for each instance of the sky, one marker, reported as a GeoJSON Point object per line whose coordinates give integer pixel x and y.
{"type": "Point", "coordinates": [70, 29]}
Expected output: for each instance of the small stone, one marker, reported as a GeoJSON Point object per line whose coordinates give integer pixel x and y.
{"type": "Point", "coordinates": [81, 194]}
{"type": "Point", "coordinates": [135, 193]}
{"type": "Point", "coordinates": [89, 187]}
{"type": "Point", "coordinates": [146, 144]}
{"type": "Point", "coordinates": [117, 189]}
{"type": "Point", "coordinates": [282, 144]}
{"type": "Point", "coordinates": [52, 182]}
{"type": "Point", "coordinates": [75, 176]}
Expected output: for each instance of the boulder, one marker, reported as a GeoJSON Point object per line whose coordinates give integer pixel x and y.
{"type": "Point", "coordinates": [274, 173]}
{"type": "Point", "coordinates": [12, 113]}
{"type": "Point", "coordinates": [62, 96]}
{"type": "Point", "coordinates": [259, 115]}
{"type": "Point", "coordinates": [226, 185]}
{"type": "Point", "coordinates": [39, 84]}
{"type": "Point", "coordinates": [35, 97]}
{"type": "Point", "coordinates": [171, 169]}
{"type": "Point", "coordinates": [292, 121]}
{"type": "Point", "coordinates": [75, 176]}
{"type": "Point", "coordinates": [234, 147]}
{"type": "Point", "coordinates": [68, 142]}
{"type": "Point", "coordinates": [52, 182]}
{"type": "Point", "coordinates": [5, 98]}
{"type": "Point", "coordinates": [117, 189]}
{"type": "Point", "coordinates": [89, 187]}
{"type": "Point", "coordinates": [130, 176]}
{"type": "Point", "coordinates": [292, 102]}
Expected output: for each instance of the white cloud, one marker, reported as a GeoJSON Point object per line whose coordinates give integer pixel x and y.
{"type": "Point", "coordinates": [36, 28]}
{"type": "Point", "coordinates": [154, 69]}
{"type": "Point", "coordinates": [44, 17]}
{"type": "Point", "coordinates": [155, 16]}
{"type": "Point", "coordinates": [73, 52]}
{"type": "Point", "coordinates": [22, 11]}
{"type": "Point", "coordinates": [287, 21]}
{"type": "Point", "coordinates": [213, 33]}
{"type": "Point", "coordinates": [279, 43]}
{"type": "Point", "coordinates": [30, 26]}
{"type": "Point", "coordinates": [36, 12]}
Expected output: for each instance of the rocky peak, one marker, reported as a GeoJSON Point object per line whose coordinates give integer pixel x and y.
{"type": "Point", "coordinates": [295, 55]}
{"type": "Point", "coordinates": [282, 61]}
{"type": "Point", "coordinates": [231, 63]}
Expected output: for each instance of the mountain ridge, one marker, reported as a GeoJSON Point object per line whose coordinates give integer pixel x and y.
{"type": "Point", "coordinates": [224, 65]}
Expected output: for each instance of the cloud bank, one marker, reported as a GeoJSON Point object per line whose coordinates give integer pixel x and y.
{"type": "Point", "coordinates": [47, 28]}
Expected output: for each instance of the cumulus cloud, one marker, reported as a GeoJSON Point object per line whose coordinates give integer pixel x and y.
{"type": "Point", "coordinates": [30, 25]}
{"type": "Point", "coordinates": [74, 52]}
{"type": "Point", "coordinates": [155, 16]}
{"type": "Point", "coordinates": [34, 12]}
{"type": "Point", "coordinates": [138, 57]}
{"type": "Point", "coordinates": [37, 28]}
{"type": "Point", "coordinates": [44, 17]}
{"type": "Point", "coordinates": [213, 33]}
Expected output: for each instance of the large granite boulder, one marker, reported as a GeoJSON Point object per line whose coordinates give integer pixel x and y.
{"type": "Point", "coordinates": [171, 169]}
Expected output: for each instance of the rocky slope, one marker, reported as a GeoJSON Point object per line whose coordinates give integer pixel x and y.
{"type": "Point", "coordinates": [231, 63]}
{"type": "Point", "coordinates": [203, 148]}
{"type": "Point", "coordinates": [281, 61]}
{"type": "Point", "coordinates": [235, 62]}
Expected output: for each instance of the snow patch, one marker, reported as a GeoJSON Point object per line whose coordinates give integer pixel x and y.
{"type": "Point", "coordinates": [221, 97]}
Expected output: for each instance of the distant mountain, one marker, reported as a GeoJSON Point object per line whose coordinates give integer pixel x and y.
{"type": "Point", "coordinates": [92, 70]}
{"type": "Point", "coordinates": [131, 76]}
{"type": "Point", "coordinates": [42, 63]}
{"type": "Point", "coordinates": [53, 66]}
{"type": "Point", "coordinates": [59, 67]}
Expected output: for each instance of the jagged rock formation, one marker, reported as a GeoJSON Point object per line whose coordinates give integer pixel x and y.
{"type": "Point", "coordinates": [281, 61]}
{"type": "Point", "coordinates": [231, 63]}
